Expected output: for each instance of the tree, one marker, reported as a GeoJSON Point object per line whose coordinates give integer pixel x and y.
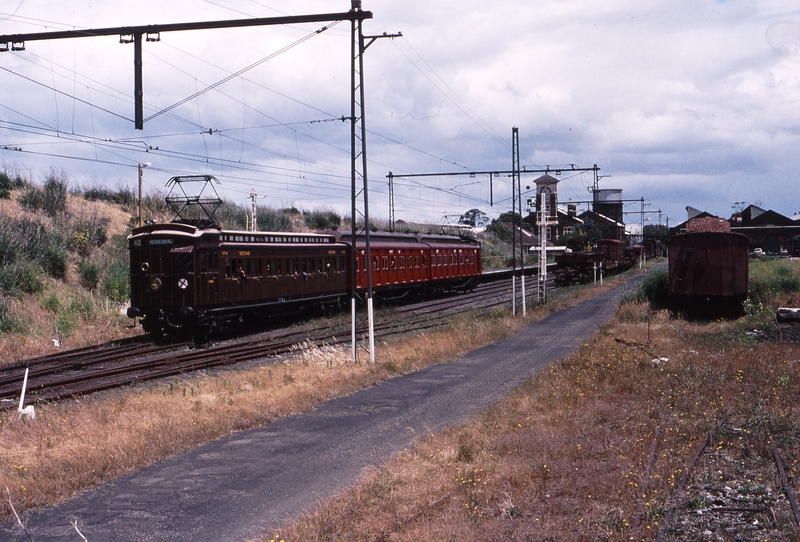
{"type": "Point", "coordinates": [474, 218]}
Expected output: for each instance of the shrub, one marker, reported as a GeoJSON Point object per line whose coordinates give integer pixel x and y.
{"type": "Point", "coordinates": [770, 279]}
{"type": "Point", "coordinates": [5, 186]}
{"type": "Point", "coordinates": [87, 235]}
{"type": "Point", "coordinates": [21, 278]}
{"type": "Point", "coordinates": [500, 230]}
{"type": "Point", "coordinates": [325, 219]}
{"type": "Point", "coordinates": [82, 306]}
{"type": "Point", "coordinates": [121, 196]}
{"type": "Point", "coordinates": [89, 273]}
{"type": "Point", "coordinates": [55, 195]}
{"type": "Point", "coordinates": [655, 288]}
{"type": "Point", "coordinates": [9, 323]}
{"type": "Point", "coordinates": [53, 259]}
{"type": "Point", "coordinates": [51, 303]}
{"type": "Point", "coordinates": [272, 220]}
{"type": "Point", "coordinates": [115, 281]}
{"type": "Point", "coordinates": [8, 247]}
{"type": "Point", "coordinates": [32, 200]}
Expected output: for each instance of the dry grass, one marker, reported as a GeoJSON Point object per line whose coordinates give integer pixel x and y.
{"type": "Point", "coordinates": [104, 322]}
{"type": "Point", "coordinates": [78, 444]}
{"type": "Point", "coordinates": [564, 457]}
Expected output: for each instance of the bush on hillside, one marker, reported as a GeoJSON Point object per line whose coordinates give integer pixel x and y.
{"type": "Point", "coordinates": [115, 283]}
{"type": "Point", "coordinates": [120, 196]}
{"type": "Point", "coordinates": [272, 220]}
{"type": "Point", "coordinates": [55, 195]}
{"type": "Point", "coordinates": [87, 235]}
{"type": "Point", "coordinates": [53, 259]}
{"type": "Point", "coordinates": [89, 273]}
{"type": "Point", "coordinates": [32, 199]}
{"type": "Point", "coordinates": [325, 219]}
{"type": "Point", "coordinates": [7, 184]}
{"type": "Point", "coordinates": [9, 323]}
{"type": "Point", "coordinates": [19, 278]}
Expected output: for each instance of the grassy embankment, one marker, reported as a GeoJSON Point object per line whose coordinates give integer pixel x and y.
{"type": "Point", "coordinates": [564, 457]}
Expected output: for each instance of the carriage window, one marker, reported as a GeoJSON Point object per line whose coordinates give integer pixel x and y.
{"type": "Point", "coordinates": [255, 267]}
{"type": "Point", "coordinates": [424, 260]}
{"type": "Point", "coordinates": [228, 268]}
{"type": "Point", "coordinates": [394, 262]}
{"type": "Point", "coordinates": [386, 262]}
{"type": "Point", "coordinates": [376, 264]}
{"type": "Point", "coordinates": [203, 262]}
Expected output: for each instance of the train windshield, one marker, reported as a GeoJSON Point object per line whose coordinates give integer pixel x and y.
{"type": "Point", "coordinates": [182, 260]}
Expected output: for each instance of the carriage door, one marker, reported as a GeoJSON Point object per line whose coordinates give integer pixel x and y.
{"type": "Point", "coordinates": [209, 276]}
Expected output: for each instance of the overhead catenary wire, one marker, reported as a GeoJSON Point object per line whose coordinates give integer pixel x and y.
{"type": "Point", "coordinates": [243, 70]}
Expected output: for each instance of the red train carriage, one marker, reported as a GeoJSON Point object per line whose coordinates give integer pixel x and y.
{"type": "Point", "coordinates": [402, 263]}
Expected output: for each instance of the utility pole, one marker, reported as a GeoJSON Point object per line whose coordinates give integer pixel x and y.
{"type": "Point", "coordinates": [516, 187]}
{"type": "Point", "coordinates": [391, 202]}
{"type": "Point", "coordinates": [141, 166]}
{"type": "Point", "coordinates": [358, 139]}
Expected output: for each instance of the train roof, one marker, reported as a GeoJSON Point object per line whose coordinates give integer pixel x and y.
{"type": "Point", "coordinates": [233, 236]}
{"type": "Point", "coordinates": [384, 238]}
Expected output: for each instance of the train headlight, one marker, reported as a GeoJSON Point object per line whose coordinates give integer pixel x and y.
{"type": "Point", "coordinates": [145, 266]}
{"type": "Point", "coordinates": [183, 284]}
{"type": "Point", "coordinates": [155, 284]}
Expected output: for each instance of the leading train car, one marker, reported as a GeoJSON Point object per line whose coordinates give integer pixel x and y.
{"type": "Point", "coordinates": [708, 273]}
{"type": "Point", "coordinates": [190, 279]}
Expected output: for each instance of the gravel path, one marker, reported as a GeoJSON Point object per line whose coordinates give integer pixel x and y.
{"type": "Point", "coordinates": [234, 488]}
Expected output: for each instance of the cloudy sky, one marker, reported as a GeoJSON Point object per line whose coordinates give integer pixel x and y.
{"type": "Point", "coordinates": [680, 103]}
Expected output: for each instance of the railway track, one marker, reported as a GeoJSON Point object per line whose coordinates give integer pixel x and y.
{"type": "Point", "coordinates": [98, 368]}
{"type": "Point", "coordinates": [734, 487]}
